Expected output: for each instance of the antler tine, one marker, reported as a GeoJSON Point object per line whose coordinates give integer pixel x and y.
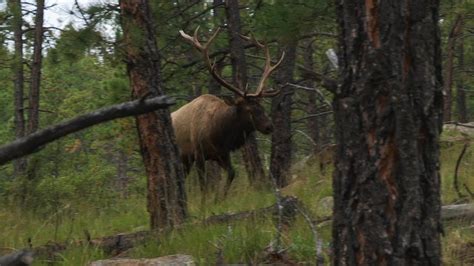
{"type": "Point", "coordinates": [204, 49]}
{"type": "Point", "coordinates": [266, 74]}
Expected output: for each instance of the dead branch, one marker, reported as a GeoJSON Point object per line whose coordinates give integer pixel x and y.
{"type": "Point", "coordinates": [328, 83]}
{"type": "Point", "coordinates": [458, 124]}
{"type": "Point", "coordinates": [458, 162]}
{"type": "Point", "coordinates": [317, 241]}
{"type": "Point", "coordinates": [35, 141]}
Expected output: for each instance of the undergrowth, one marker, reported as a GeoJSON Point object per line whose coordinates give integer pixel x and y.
{"type": "Point", "coordinates": [237, 242]}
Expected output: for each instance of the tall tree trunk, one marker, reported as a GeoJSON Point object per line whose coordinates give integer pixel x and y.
{"type": "Point", "coordinates": [250, 153]}
{"type": "Point", "coordinates": [311, 107]}
{"type": "Point", "coordinates": [213, 170]}
{"type": "Point", "coordinates": [448, 82]}
{"type": "Point", "coordinates": [461, 105]}
{"type": "Point", "coordinates": [34, 97]}
{"type": "Point", "coordinates": [17, 22]}
{"type": "Point", "coordinates": [166, 193]}
{"type": "Point", "coordinates": [388, 113]}
{"type": "Point", "coordinates": [280, 158]}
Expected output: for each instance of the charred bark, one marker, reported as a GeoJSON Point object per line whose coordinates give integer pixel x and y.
{"type": "Point", "coordinates": [388, 113]}
{"type": "Point", "coordinates": [281, 152]}
{"type": "Point", "coordinates": [250, 153]}
{"type": "Point", "coordinates": [166, 193]}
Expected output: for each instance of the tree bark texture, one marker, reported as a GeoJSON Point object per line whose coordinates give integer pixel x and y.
{"type": "Point", "coordinates": [388, 112]}
{"type": "Point", "coordinates": [166, 193]}
{"type": "Point", "coordinates": [281, 152]}
{"type": "Point", "coordinates": [19, 79]}
{"type": "Point", "coordinates": [250, 153]}
{"type": "Point", "coordinates": [34, 97]}
{"type": "Point", "coordinates": [461, 105]}
{"type": "Point", "coordinates": [449, 72]}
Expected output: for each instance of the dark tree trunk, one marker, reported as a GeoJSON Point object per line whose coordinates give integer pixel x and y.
{"type": "Point", "coordinates": [17, 22]}
{"type": "Point", "coordinates": [250, 153]}
{"type": "Point", "coordinates": [461, 92]}
{"type": "Point", "coordinates": [213, 169]}
{"type": "Point", "coordinates": [34, 97]}
{"type": "Point", "coordinates": [280, 158]}
{"type": "Point", "coordinates": [448, 83]}
{"type": "Point", "coordinates": [388, 113]}
{"type": "Point", "coordinates": [311, 107]}
{"type": "Point", "coordinates": [166, 193]}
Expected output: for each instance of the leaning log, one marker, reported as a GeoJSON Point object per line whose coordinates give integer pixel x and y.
{"type": "Point", "coordinates": [32, 143]}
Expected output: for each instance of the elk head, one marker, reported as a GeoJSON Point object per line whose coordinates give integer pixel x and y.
{"type": "Point", "coordinates": [248, 105]}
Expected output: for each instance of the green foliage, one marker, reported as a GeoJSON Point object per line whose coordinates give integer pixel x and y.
{"type": "Point", "coordinates": [288, 20]}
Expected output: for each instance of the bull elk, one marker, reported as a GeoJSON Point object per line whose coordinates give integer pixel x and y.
{"type": "Point", "coordinates": [209, 127]}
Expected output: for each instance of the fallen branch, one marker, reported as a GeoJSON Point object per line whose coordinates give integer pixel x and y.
{"type": "Point", "coordinates": [458, 211]}
{"type": "Point", "coordinates": [19, 258]}
{"type": "Point", "coordinates": [468, 125]}
{"type": "Point", "coordinates": [286, 204]}
{"type": "Point", "coordinates": [33, 142]}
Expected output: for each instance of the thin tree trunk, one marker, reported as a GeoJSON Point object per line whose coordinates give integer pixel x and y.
{"type": "Point", "coordinates": [388, 112]}
{"type": "Point", "coordinates": [17, 22]}
{"type": "Point", "coordinates": [281, 152]}
{"type": "Point", "coordinates": [311, 108]}
{"type": "Point", "coordinates": [250, 153]}
{"type": "Point", "coordinates": [34, 97]}
{"type": "Point", "coordinates": [461, 92]}
{"type": "Point", "coordinates": [448, 83]}
{"type": "Point", "coordinates": [213, 170]}
{"type": "Point", "coordinates": [166, 193]}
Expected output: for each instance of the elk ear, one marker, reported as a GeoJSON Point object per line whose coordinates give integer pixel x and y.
{"type": "Point", "coordinates": [229, 100]}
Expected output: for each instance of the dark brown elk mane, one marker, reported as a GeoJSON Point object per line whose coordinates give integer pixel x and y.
{"type": "Point", "coordinates": [209, 127]}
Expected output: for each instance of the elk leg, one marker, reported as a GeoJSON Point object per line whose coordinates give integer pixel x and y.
{"type": "Point", "coordinates": [227, 165]}
{"type": "Point", "coordinates": [200, 166]}
{"type": "Point", "coordinates": [187, 164]}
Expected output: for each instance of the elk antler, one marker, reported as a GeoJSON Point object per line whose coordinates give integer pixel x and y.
{"type": "Point", "coordinates": [267, 71]}
{"type": "Point", "coordinates": [204, 49]}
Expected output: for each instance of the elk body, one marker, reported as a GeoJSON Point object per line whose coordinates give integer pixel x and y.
{"type": "Point", "coordinates": [209, 127]}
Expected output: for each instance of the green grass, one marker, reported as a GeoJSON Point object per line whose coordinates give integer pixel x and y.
{"type": "Point", "coordinates": [69, 222]}
{"type": "Point", "coordinates": [240, 242]}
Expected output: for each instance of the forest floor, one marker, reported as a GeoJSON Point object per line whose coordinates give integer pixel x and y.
{"type": "Point", "coordinates": [243, 241]}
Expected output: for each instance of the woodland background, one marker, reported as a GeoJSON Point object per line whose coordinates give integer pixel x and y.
{"type": "Point", "coordinates": [92, 183]}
